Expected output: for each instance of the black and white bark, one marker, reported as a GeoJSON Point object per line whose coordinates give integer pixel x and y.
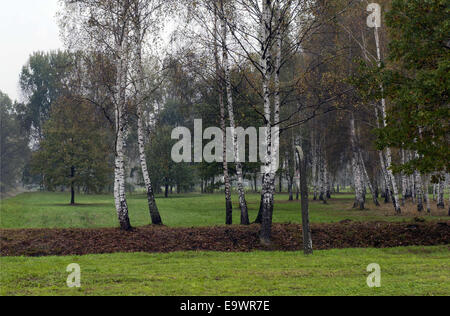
{"type": "Point", "coordinates": [121, 63]}
{"type": "Point", "coordinates": [357, 174]}
{"type": "Point", "coordinates": [404, 181]}
{"type": "Point", "coordinates": [139, 36]}
{"type": "Point", "coordinates": [368, 181]}
{"type": "Point", "coordinates": [323, 178]}
{"type": "Point", "coordinates": [383, 109]}
{"type": "Point", "coordinates": [314, 160]}
{"type": "Point", "coordinates": [103, 27]}
{"type": "Point", "coordinates": [426, 196]}
{"type": "Point", "coordinates": [220, 85]}
{"type": "Point", "coordinates": [239, 171]}
{"type": "Point", "coordinates": [269, 176]}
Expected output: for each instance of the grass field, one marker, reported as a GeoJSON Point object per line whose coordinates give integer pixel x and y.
{"type": "Point", "coordinates": [51, 210]}
{"type": "Point", "coordinates": [404, 271]}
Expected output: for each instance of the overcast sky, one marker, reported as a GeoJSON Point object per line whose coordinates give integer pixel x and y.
{"type": "Point", "coordinates": [26, 26]}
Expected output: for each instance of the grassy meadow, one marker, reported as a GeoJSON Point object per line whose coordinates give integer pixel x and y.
{"type": "Point", "coordinates": [405, 271]}
{"type": "Point", "coordinates": [52, 210]}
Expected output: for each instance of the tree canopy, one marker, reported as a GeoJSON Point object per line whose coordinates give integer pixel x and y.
{"type": "Point", "coordinates": [76, 149]}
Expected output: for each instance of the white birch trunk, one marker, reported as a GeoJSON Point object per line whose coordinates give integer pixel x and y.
{"type": "Point", "coordinates": [323, 179]}
{"type": "Point", "coordinates": [327, 180]}
{"type": "Point", "coordinates": [277, 97]}
{"type": "Point", "coordinates": [314, 166]}
{"type": "Point", "coordinates": [269, 176]}
{"type": "Point", "coordinates": [358, 181]}
{"type": "Point", "coordinates": [404, 181]}
{"type": "Point", "coordinates": [152, 206]}
{"type": "Point", "coordinates": [320, 176]}
{"type": "Point", "coordinates": [426, 195]}
{"type": "Point", "coordinates": [393, 183]}
{"type": "Point", "coordinates": [369, 183]}
{"type": "Point", "coordinates": [240, 176]}
{"type": "Point", "coordinates": [119, 170]}
{"type": "Point", "coordinates": [219, 75]}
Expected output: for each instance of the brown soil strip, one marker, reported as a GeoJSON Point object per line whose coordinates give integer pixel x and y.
{"type": "Point", "coordinates": [286, 237]}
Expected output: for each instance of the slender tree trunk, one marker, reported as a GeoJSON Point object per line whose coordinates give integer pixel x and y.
{"type": "Point", "coordinates": [280, 183]}
{"type": "Point", "coordinates": [323, 180]}
{"type": "Point", "coordinates": [140, 84]}
{"type": "Point", "coordinates": [258, 219]}
{"type": "Point", "coordinates": [226, 176]}
{"type": "Point", "coordinates": [359, 199]}
{"type": "Point", "coordinates": [369, 183]}
{"type": "Point", "coordinates": [413, 182]}
{"type": "Point", "coordinates": [152, 206]}
{"type": "Point", "coordinates": [239, 172]}
{"type": "Point", "coordinates": [307, 237]}
{"type": "Point", "coordinates": [393, 183]}
{"type": "Point", "coordinates": [166, 190]}
{"type": "Point", "coordinates": [314, 166]}
{"type": "Point", "coordinates": [291, 187]}
{"type": "Point", "coordinates": [269, 177]}
{"type": "Point", "coordinates": [320, 177]}
{"type": "Point", "coordinates": [435, 188]}
{"type": "Point", "coordinates": [404, 181]}
{"type": "Point", "coordinates": [119, 185]}
{"type": "Point", "coordinates": [119, 170]}
{"type": "Point", "coordinates": [387, 192]}
{"type": "Point", "coordinates": [441, 190]}
{"type": "Point", "coordinates": [326, 180]}
{"type": "Point", "coordinates": [426, 195]}
{"type": "Point", "coordinates": [419, 192]}
{"type": "Point", "coordinates": [385, 164]}
{"type": "Point", "coordinates": [72, 186]}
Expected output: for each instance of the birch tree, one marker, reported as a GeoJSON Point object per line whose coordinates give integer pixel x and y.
{"type": "Point", "coordinates": [357, 176]}
{"type": "Point", "coordinates": [380, 108]}
{"type": "Point", "coordinates": [104, 27]}
{"type": "Point", "coordinates": [440, 195]}
{"type": "Point", "coordinates": [143, 19]}
{"type": "Point", "coordinates": [221, 92]}
{"type": "Point", "coordinates": [225, 12]}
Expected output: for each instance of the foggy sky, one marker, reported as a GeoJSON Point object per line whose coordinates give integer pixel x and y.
{"type": "Point", "coordinates": [26, 26]}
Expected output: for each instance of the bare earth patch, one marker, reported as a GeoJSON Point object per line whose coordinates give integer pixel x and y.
{"type": "Point", "coordinates": [286, 237]}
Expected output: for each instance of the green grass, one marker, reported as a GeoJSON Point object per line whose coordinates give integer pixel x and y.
{"type": "Point", "coordinates": [405, 271]}
{"type": "Point", "coordinates": [51, 210]}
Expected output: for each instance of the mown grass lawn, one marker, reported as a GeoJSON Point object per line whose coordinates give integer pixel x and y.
{"type": "Point", "coordinates": [404, 271]}
{"type": "Point", "coordinates": [51, 210]}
